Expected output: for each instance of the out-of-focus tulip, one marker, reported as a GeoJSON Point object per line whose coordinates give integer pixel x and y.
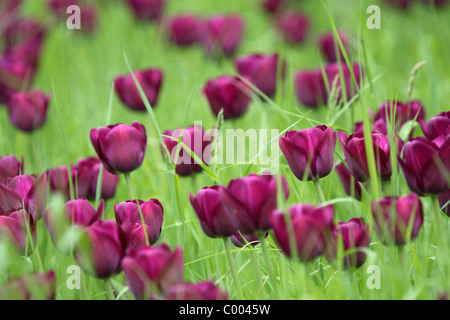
{"type": "Point", "coordinates": [437, 128]}
{"type": "Point", "coordinates": [197, 140]}
{"type": "Point", "coordinates": [23, 31]}
{"type": "Point", "coordinates": [128, 216]}
{"type": "Point", "coordinates": [101, 250]}
{"type": "Point", "coordinates": [241, 240]}
{"type": "Point", "coordinates": [294, 26]}
{"type": "Point", "coordinates": [229, 94]}
{"type": "Point", "coordinates": [14, 226]}
{"type": "Point", "coordinates": [14, 75]}
{"type": "Point", "coordinates": [221, 35]}
{"type": "Point", "coordinates": [402, 113]}
{"type": "Point", "coordinates": [152, 268]}
{"type": "Point", "coordinates": [350, 184]}
{"type": "Point", "coordinates": [59, 180]}
{"type": "Point", "coordinates": [329, 46]}
{"type": "Point", "coordinates": [312, 230]}
{"type": "Point", "coordinates": [9, 7]}
{"type": "Point", "coordinates": [356, 158]}
{"type": "Point", "coordinates": [206, 290]}
{"type": "Point", "coordinates": [28, 110]}
{"type": "Point", "coordinates": [272, 6]}
{"type": "Point", "coordinates": [261, 70]}
{"type": "Point", "coordinates": [215, 221]}
{"type": "Point", "coordinates": [59, 7]}
{"type": "Point", "coordinates": [10, 167]}
{"type": "Point", "coordinates": [183, 30]}
{"type": "Point", "coordinates": [150, 80]}
{"type": "Point", "coordinates": [251, 199]}
{"type": "Point", "coordinates": [31, 286]}
{"type": "Point", "coordinates": [310, 152]}
{"type": "Point", "coordinates": [423, 164]}
{"type": "Point", "coordinates": [120, 147]}
{"type": "Point", "coordinates": [147, 10]}
{"type": "Point", "coordinates": [444, 199]}
{"type": "Point", "coordinates": [392, 223]}
{"type": "Point", "coordinates": [354, 235]}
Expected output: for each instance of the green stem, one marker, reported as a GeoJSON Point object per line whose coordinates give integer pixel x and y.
{"type": "Point", "coordinates": [257, 270]}
{"type": "Point", "coordinates": [98, 190]}
{"type": "Point", "coordinates": [109, 290]}
{"type": "Point", "coordinates": [84, 289]}
{"type": "Point", "coordinates": [319, 191]}
{"type": "Point", "coordinates": [265, 250]}
{"type": "Point", "coordinates": [234, 274]}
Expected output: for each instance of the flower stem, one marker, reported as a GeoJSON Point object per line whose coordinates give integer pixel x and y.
{"type": "Point", "coordinates": [109, 290]}
{"type": "Point", "coordinates": [234, 274]}
{"type": "Point", "coordinates": [257, 270]}
{"type": "Point", "coordinates": [265, 250]}
{"type": "Point", "coordinates": [319, 190]}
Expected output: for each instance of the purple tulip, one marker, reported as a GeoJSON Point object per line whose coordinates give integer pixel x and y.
{"type": "Point", "coordinates": [310, 88]}
{"type": "Point", "coordinates": [251, 200]}
{"type": "Point", "coordinates": [444, 198]}
{"type": "Point", "coordinates": [30, 286]}
{"type": "Point", "coordinates": [215, 221]}
{"type": "Point", "coordinates": [150, 80]}
{"type": "Point", "coordinates": [27, 192]}
{"type": "Point", "coordinates": [408, 210]}
{"type": "Point", "coordinates": [197, 140]}
{"type": "Point", "coordinates": [402, 112]}
{"type": "Point", "coordinates": [262, 70]}
{"type": "Point", "coordinates": [101, 254]}
{"type": "Point", "coordinates": [183, 30]}
{"type": "Point", "coordinates": [206, 290]}
{"type": "Point", "coordinates": [222, 34]}
{"type": "Point", "coordinates": [350, 184]}
{"type": "Point", "coordinates": [22, 31]}
{"type": "Point", "coordinates": [356, 158]}
{"type": "Point", "coordinates": [437, 128]}
{"type": "Point", "coordinates": [150, 267]}
{"type": "Point", "coordinates": [120, 147]}
{"type": "Point", "coordinates": [293, 26]}
{"type": "Point", "coordinates": [423, 163]}
{"type": "Point", "coordinates": [128, 216]}
{"type": "Point", "coordinates": [14, 75]}
{"type": "Point", "coordinates": [329, 46]}
{"type": "Point", "coordinates": [14, 226]}
{"type": "Point", "coordinates": [59, 181]}
{"type": "Point", "coordinates": [59, 7]}
{"type": "Point", "coordinates": [10, 167]}
{"type": "Point", "coordinates": [310, 152]}
{"type": "Point", "coordinates": [28, 111]}
{"type": "Point", "coordinates": [273, 6]}
{"type": "Point", "coordinates": [354, 235]}
{"type": "Point", "coordinates": [9, 8]}
{"type": "Point", "coordinates": [241, 240]}
{"type": "Point", "coordinates": [229, 94]}
{"type": "Point", "coordinates": [401, 4]}
{"type": "Point", "coordinates": [147, 10]}
{"type": "Point", "coordinates": [312, 230]}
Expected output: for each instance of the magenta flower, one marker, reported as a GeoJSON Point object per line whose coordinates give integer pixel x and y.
{"type": "Point", "coordinates": [28, 111]}
{"type": "Point", "coordinates": [350, 184]}
{"type": "Point", "coordinates": [312, 230]}
{"type": "Point", "coordinates": [402, 112]}
{"type": "Point", "coordinates": [59, 180]}
{"type": "Point", "coordinates": [310, 152]}
{"type": "Point", "coordinates": [240, 240]}
{"type": "Point", "coordinates": [183, 30]}
{"type": "Point", "coordinates": [437, 128]}
{"type": "Point", "coordinates": [229, 94]}
{"type": "Point", "coordinates": [30, 286]}
{"type": "Point", "coordinates": [444, 199]}
{"type": "Point", "coordinates": [147, 10]}
{"type": "Point", "coordinates": [392, 223]}
{"type": "Point", "coordinates": [10, 167]}
{"type": "Point", "coordinates": [423, 163]}
{"type": "Point", "coordinates": [293, 26]}
{"type": "Point", "coordinates": [273, 6]}
{"type": "Point", "coordinates": [262, 70]}
{"type": "Point", "coordinates": [206, 290]}
{"type": "Point", "coordinates": [330, 48]}
{"type": "Point", "coordinates": [150, 267]}
{"type": "Point", "coordinates": [14, 75]}
{"type": "Point", "coordinates": [14, 226]}
{"type": "Point", "coordinates": [251, 200]}
{"type": "Point", "coordinates": [310, 88]}
{"type": "Point", "coordinates": [214, 219]}
{"type": "Point", "coordinates": [23, 31]}
{"type": "Point", "coordinates": [222, 34]}
{"type": "Point", "coordinates": [120, 147]}
{"type": "Point", "coordinates": [150, 80]}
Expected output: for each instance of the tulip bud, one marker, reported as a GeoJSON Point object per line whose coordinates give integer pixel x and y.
{"type": "Point", "coordinates": [28, 111]}
{"type": "Point", "coordinates": [10, 167]}
{"type": "Point", "coordinates": [14, 226]}
{"type": "Point", "coordinates": [423, 163]}
{"type": "Point", "coordinates": [59, 180]}
{"type": "Point", "coordinates": [293, 26]}
{"type": "Point", "coordinates": [229, 94]}
{"type": "Point", "coordinates": [147, 10]}
{"type": "Point", "coordinates": [437, 128]}
{"type": "Point", "coordinates": [444, 199]}
{"type": "Point", "coordinates": [32, 286]}
{"type": "Point", "coordinates": [273, 6]}
{"type": "Point", "coordinates": [150, 268]}
{"type": "Point", "coordinates": [310, 88]}
{"type": "Point", "coordinates": [183, 30]}
{"type": "Point", "coordinates": [23, 31]}
{"type": "Point", "coordinates": [206, 290]}
{"type": "Point", "coordinates": [351, 186]}
{"type": "Point", "coordinates": [408, 211]}
{"type": "Point", "coordinates": [214, 219]}
{"type": "Point", "coordinates": [241, 240]}
{"type": "Point", "coordinates": [251, 200]}
{"type": "Point", "coordinates": [312, 230]}
{"type": "Point", "coordinates": [121, 147]}
{"type": "Point", "coordinates": [329, 46]}
{"type": "Point", "coordinates": [402, 113]}
{"type": "Point", "coordinates": [221, 35]}
{"type": "Point", "coordinates": [310, 152]}
{"type": "Point", "coordinates": [14, 75]}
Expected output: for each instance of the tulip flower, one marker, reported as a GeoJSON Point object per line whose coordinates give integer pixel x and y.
{"type": "Point", "coordinates": [351, 186]}
{"type": "Point", "coordinates": [59, 180]}
{"type": "Point", "coordinates": [229, 94]}
{"type": "Point", "coordinates": [356, 157]}
{"type": "Point", "coordinates": [27, 192]}
{"type": "Point", "coordinates": [393, 223]}
{"type": "Point", "coordinates": [30, 286]}
{"type": "Point", "coordinates": [150, 81]}
{"type": "Point", "coordinates": [293, 26]}
{"type": "Point", "coordinates": [28, 111]}
{"type": "Point", "coordinates": [120, 147]}
{"type": "Point", "coordinates": [241, 240]}
{"type": "Point", "coordinates": [310, 152]}
{"type": "Point", "coordinates": [402, 113]}
{"type": "Point", "coordinates": [251, 199]}
{"type": "Point", "coordinates": [215, 221]}
{"type": "Point", "coordinates": [197, 140]}
{"type": "Point", "coordinates": [147, 10]}
{"type": "Point", "coordinates": [23, 31]}
{"type": "Point", "coordinates": [222, 34]}
{"type": "Point", "coordinates": [311, 227]}
{"type": "Point", "coordinates": [9, 8]}
{"type": "Point", "coordinates": [262, 70]}
{"type": "Point", "coordinates": [59, 7]}
{"type": "Point", "coordinates": [10, 167]}
{"type": "Point", "coordinates": [14, 75]}
{"type": "Point", "coordinates": [437, 128]}
{"type": "Point", "coordinates": [329, 46]}
{"type": "Point", "coordinates": [102, 249]}
{"type": "Point", "coordinates": [354, 235]}
{"type": "Point", "coordinates": [206, 290]}
{"type": "Point", "coordinates": [15, 225]}
{"type": "Point", "coordinates": [273, 6]}
{"type": "Point", "coordinates": [183, 30]}
{"type": "Point", "coordinates": [150, 268]}
{"type": "Point", "coordinates": [423, 164]}
{"type": "Point", "coordinates": [128, 216]}
{"type": "Point", "coordinates": [444, 199]}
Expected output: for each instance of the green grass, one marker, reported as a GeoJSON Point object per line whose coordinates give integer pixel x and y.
{"type": "Point", "coordinates": [79, 70]}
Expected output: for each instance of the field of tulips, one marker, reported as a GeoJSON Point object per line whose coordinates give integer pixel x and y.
{"type": "Point", "coordinates": [224, 150]}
